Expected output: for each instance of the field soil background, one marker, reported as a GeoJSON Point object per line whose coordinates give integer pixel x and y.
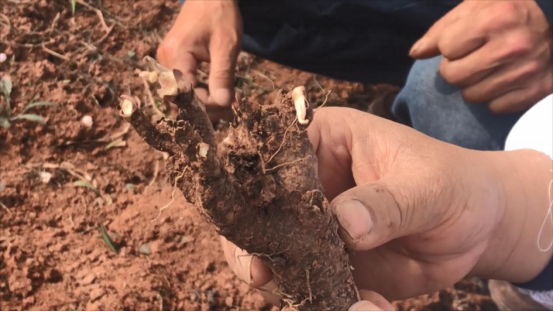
{"type": "Point", "coordinates": [84, 169]}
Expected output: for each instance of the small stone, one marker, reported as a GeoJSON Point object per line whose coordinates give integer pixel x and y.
{"type": "Point", "coordinates": [97, 293]}
{"type": "Point", "coordinates": [99, 201]}
{"type": "Point", "coordinates": [209, 266]}
{"type": "Point", "coordinates": [145, 249]}
{"type": "Point", "coordinates": [229, 302]}
{"type": "Point", "coordinates": [123, 251]}
{"type": "Point", "coordinates": [2, 186]}
{"type": "Point", "coordinates": [186, 239]}
{"type": "Point", "coordinates": [89, 279]}
{"type": "Point", "coordinates": [3, 57]}
{"type": "Point", "coordinates": [45, 177]}
{"type": "Point", "coordinates": [87, 121]}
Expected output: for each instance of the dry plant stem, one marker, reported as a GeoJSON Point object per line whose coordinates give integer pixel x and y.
{"type": "Point", "coordinates": [5, 208]}
{"type": "Point", "coordinates": [99, 13]}
{"type": "Point", "coordinates": [54, 53]}
{"type": "Point", "coordinates": [279, 214]}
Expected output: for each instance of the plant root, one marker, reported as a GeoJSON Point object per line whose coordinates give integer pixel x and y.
{"type": "Point", "coordinates": [279, 213]}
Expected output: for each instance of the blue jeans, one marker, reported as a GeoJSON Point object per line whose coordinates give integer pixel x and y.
{"type": "Point", "coordinates": [436, 108]}
{"type": "Point", "coordinates": [368, 41]}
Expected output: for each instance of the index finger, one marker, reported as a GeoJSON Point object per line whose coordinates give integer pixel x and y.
{"type": "Point", "coordinates": [427, 46]}
{"type": "Point", "coordinates": [186, 62]}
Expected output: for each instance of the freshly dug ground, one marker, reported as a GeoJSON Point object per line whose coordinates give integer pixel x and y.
{"type": "Point", "coordinates": [52, 255]}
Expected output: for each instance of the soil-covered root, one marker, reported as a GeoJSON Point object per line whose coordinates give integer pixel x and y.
{"type": "Point", "coordinates": [259, 187]}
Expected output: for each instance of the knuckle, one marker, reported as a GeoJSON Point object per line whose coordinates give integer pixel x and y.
{"type": "Point", "coordinates": [471, 95]}
{"type": "Point", "coordinates": [497, 107]}
{"type": "Point", "coordinates": [166, 48]}
{"type": "Point", "coordinates": [505, 14]}
{"type": "Point", "coordinates": [519, 44]}
{"type": "Point", "coordinates": [447, 73]}
{"type": "Point", "coordinates": [529, 70]}
{"type": "Point", "coordinates": [446, 48]}
{"type": "Point", "coordinates": [222, 73]}
{"type": "Point", "coordinates": [225, 38]}
{"type": "Point", "coordinates": [508, 13]}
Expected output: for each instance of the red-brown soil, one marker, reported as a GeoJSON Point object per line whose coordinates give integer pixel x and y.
{"type": "Point", "coordinates": [52, 255]}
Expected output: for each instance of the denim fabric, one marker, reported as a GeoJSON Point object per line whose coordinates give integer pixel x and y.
{"type": "Point", "coordinates": [432, 106]}
{"type": "Point", "coordinates": [369, 41]}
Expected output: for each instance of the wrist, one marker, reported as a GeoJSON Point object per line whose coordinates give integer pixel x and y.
{"type": "Point", "coordinates": [512, 251]}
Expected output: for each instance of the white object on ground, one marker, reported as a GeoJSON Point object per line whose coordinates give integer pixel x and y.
{"type": "Point", "coordinates": [45, 177]}
{"type": "Point", "coordinates": [87, 121]}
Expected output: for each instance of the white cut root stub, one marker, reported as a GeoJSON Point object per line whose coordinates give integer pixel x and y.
{"type": "Point", "coordinates": [228, 142]}
{"type": "Point", "coordinates": [127, 108]}
{"type": "Point", "coordinates": [168, 84]}
{"type": "Point", "coordinates": [203, 149]}
{"type": "Point", "coordinates": [151, 77]}
{"type": "Point", "coordinates": [300, 102]}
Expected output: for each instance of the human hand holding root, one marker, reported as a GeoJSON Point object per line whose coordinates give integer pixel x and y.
{"type": "Point", "coordinates": [497, 52]}
{"type": "Point", "coordinates": [420, 214]}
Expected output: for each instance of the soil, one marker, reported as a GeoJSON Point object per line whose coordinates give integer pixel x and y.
{"type": "Point", "coordinates": [52, 254]}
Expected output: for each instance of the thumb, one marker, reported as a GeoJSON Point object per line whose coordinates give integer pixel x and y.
{"type": "Point", "coordinates": [221, 75]}
{"type": "Point", "coordinates": [373, 214]}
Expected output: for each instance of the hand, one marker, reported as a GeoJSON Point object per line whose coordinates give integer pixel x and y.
{"type": "Point", "coordinates": [421, 214]}
{"type": "Point", "coordinates": [497, 52]}
{"type": "Point", "coordinates": [206, 31]}
{"type": "Point", "coordinates": [252, 271]}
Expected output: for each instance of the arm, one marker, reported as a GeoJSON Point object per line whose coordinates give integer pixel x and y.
{"type": "Point", "coordinates": [514, 252]}
{"type": "Point", "coordinates": [535, 130]}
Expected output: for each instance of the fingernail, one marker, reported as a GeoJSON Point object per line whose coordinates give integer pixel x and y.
{"type": "Point", "coordinates": [417, 46]}
{"type": "Point", "coordinates": [364, 306]}
{"type": "Point", "coordinates": [222, 97]}
{"type": "Point", "coordinates": [260, 274]}
{"type": "Point", "coordinates": [243, 269]}
{"type": "Point", "coordinates": [354, 218]}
